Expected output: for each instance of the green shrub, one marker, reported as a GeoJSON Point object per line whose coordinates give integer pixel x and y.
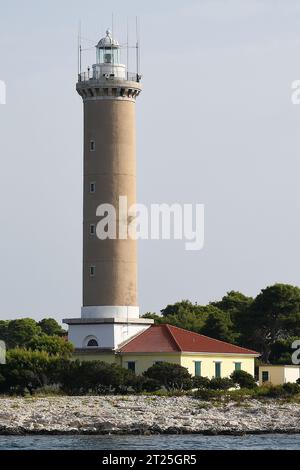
{"type": "Point", "coordinates": [243, 379]}
{"type": "Point", "coordinates": [26, 371]}
{"type": "Point", "coordinates": [221, 383]}
{"type": "Point", "coordinates": [291, 388]}
{"type": "Point", "coordinates": [278, 391]}
{"type": "Point", "coordinates": [80, 378]}
{"type": "Point", "coordinates": [241, 394]}
{"type": "Point", "coordinates": [200, 382]}
{"type": "Point", "coordinates": [140, 384]}
{"type": "Point", "coordinates": [206, 394]}
{"type": "Point", "coordinates": [170, 376]}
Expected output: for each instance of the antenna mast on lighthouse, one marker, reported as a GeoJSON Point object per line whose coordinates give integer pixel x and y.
{"type": "Point", "coordinates": [79, 48]}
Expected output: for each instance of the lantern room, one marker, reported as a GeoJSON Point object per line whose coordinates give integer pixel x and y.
{"type": "Point", "coordinates": [108, 59]}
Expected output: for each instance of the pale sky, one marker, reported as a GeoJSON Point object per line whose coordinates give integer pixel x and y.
{"type": "Point", "coordinates": [215, 125]}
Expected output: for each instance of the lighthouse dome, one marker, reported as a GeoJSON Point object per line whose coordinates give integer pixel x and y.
{"type": "Point", "coordinates": [107, 41]}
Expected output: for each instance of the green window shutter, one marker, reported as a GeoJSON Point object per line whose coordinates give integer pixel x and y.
{"type": "Point", "coordinates": [198, 368]}
{"type": "Point", "coordinates": [131, 366]}
{"type": "Point", "coordinates": [217, 370]}
{"type": "Point", "coordinates": [237, 366]}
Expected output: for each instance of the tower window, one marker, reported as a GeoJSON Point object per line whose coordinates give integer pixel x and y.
{"type": "Point", "coordinates": [92, 229]}
{"type": "Point", "coordinates": [92, 271]}
{"type": "Point", "coordinates": [92, 188]}
{"type": "Point", "coordinates": [92, 146]}
{"type": "Point", "coordinates": [92, 343]}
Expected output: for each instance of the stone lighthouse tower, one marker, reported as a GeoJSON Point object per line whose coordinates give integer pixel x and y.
{"type": "Point", "coordinates": [110, 312]}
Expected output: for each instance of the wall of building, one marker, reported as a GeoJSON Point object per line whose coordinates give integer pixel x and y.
{"type": "Point", "coordinates": [144, 361]}
{"type": "Point", "coordinates": [291, 374]}
{"type": "Point", "coordinates": [208, 364]}
{"type": "Point", "coordinates": [103, 333]}
{"type": "Point", "coordinates": [109, 358]}
{"type": "Point", "coordinates": [109, 335]}
{"type": "Point", "coordinates": [278, 375]}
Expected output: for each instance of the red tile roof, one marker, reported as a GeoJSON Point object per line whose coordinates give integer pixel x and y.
{"type": "Point", "coordinates": [167, 338]}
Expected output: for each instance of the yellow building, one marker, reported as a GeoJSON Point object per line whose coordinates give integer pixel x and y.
{"type": "Point", "coordinates": [201, 355]}
{"type": "Point", "coordinates": [278, 374]}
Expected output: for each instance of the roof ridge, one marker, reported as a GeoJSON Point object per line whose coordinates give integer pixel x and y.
{"type": "Point", "coordinates": [209, 337]}
{"type": "Point", "coordinates": [131, 338]}
{"type": "Point", "coordinates": [172, 336]}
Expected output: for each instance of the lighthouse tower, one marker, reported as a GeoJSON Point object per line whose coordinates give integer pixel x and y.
{"type": "Point", "coordinates": [110, 312]}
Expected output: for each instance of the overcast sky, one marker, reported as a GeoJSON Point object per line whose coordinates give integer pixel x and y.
{"type": "Point", "coordinates": [215, 125]}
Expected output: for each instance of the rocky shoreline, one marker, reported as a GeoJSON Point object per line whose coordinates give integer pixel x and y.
{"type": "Point", "coordinates": [144, 415]}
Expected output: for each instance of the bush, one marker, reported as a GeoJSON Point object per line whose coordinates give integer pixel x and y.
{"type": "Point", "coordinates": [221, 383]}
{"type": "Point", "coordinates": [243, 379]}
{"type": "Point", "coordinates": [200, 382]}
{"type": "Point", "coordinates": [291, 388]}
{"type": "Point", "coordinates": [141, 384]}
{"type": "Point", "coordinates": [170, 376]}
{"type": "Point", "coordinates": [206, 394]}
{"type": "Point", "coordinates": [54, 345]}
{"type": "Point", "coordinates": [80, 378]}
{"type": "Point", "coordinates": [27, 371]}
{"type": "Point", "coordinates": [279, 391]}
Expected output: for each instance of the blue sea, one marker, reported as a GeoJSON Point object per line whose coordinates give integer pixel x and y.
{"type": "Point", "coordinates": [157, 442]}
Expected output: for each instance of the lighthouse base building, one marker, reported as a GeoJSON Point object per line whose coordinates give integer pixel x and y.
{"type": "Point", "coordinates": [201, 355]}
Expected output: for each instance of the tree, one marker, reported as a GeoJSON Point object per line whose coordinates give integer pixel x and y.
{"type": "Point", "coordinates": [53, 345]}
{"type": "Point", "coordinates": [50, 327]}
{"type": "Point", "coordinates": [170, 376]}
{"type": "Point", "coordinates": [243, 379]}
{"type": "Point", "coordinates": [27, 370]}
{"type": "Point", "coordinates": [187, 315]}
{"type": "Point", "coordinates": [153, 316]}
{"type": "Point", "coordinates": [236, 305]}
{"type": "Point", "coordinates": [274, 315]}
{"type": "Point", "coordinates": [281, 350]}
{"type": "Point", "coordinates": [20, 332]}
{"type": "Point", "coordinates": [4, 330]}
{"type": "Point", "coordinates": [175, 309]}
{"type": "Point", "coordinates": [219, 326]}
{"type": "Point", "coordinates": [233, 302]}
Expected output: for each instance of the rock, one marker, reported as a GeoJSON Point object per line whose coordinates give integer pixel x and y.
{"type": "Point", "coordinates": [144, 415]}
